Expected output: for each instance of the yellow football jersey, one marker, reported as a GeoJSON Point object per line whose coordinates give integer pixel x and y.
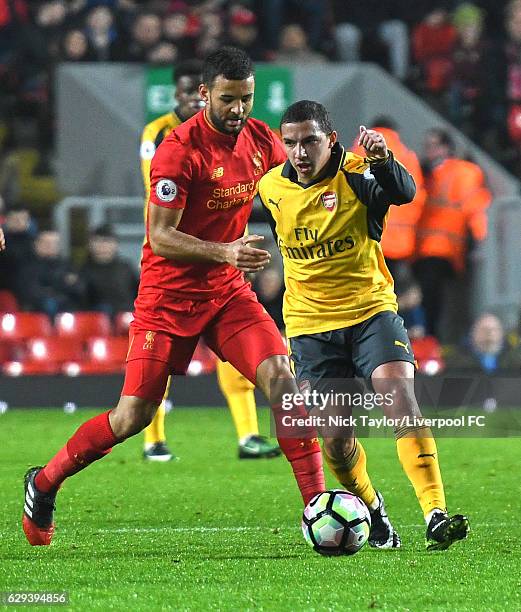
{"type": "Point", "coordinates": [152, 136]}
{"type": "Point", "coordinates": [328, 233]}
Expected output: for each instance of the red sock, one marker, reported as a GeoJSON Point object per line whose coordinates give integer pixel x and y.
{"type": "Point", "coordinates": [302, 451]}
{"type": "Point", "coordinates": [92, 440]}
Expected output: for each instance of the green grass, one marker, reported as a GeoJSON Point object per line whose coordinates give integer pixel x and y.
{"type": "Point", "coordinates": [210, 532]}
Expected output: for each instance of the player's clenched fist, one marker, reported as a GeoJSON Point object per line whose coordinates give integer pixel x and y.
{"type": "Point", "coordinates": [245, 257]}
{"type": "Point", "coordinates": [373, 143]}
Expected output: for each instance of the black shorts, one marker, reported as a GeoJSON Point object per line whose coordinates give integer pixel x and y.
{"type": "Point", "coordinates": [351, 351]}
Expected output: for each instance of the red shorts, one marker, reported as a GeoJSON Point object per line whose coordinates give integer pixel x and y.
{"type": "Point", "coordinates": [166, 330]}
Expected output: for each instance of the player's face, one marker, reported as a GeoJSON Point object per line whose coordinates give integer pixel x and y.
{"type": "Point", "coordinates": [229, 103]}
{"type": "Point", "coordinates": [308, 148]}
{"type": "Point", "coordinates": [188, 98]}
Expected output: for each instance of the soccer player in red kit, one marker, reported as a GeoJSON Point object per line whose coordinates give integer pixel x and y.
{"type": "Point", "coordinates": [204, 176]}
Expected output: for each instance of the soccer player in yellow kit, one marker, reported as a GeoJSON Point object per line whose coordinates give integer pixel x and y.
{"type": "Point", "coordinates": [237, 390]}
{"type": "Point", "coordinates": [327, 209]}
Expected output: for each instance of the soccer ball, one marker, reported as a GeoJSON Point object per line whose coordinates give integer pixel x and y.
{"type": "Point", "coordinates": [336, 523]}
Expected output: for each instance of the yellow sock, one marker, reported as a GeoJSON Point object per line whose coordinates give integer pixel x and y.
{"type": "Point", "coordinates": [155, 432]}
{"type": "Point", "coordinates": [239, 395]}
{"type": "Point", "coordinates": [419, 458]}
{"type": "Point", "coordinates": [351, 473]}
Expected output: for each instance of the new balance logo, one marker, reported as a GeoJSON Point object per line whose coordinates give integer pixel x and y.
{"type": "Point", "coordinates": [404, 346]}
{"type": "Point", "coordinates": [276, 204]}
{"type": "Point", "coordinates": [218, 173]}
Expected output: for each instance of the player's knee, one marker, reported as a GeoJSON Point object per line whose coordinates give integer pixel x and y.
{"type": "Point", "coordinates": [274, 377]}
{"type": "Point", "coordinates": [399, 396]}
{"type": "Point", "coordinates": [131, 416]}
{"type": "Point", "coordinates": [276, 366]}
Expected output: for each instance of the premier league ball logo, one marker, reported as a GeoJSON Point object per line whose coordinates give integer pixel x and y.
{"type": "Point", "coordinates": [166, 190]}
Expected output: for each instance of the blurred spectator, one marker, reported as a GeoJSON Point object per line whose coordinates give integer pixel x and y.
{"type": "Point", "coordinates": [102, 33]}
{"type": "Point", "coordinates": [164, 53]}
{"type": "Point", "coordinates": [51, 17]}
{"type": "Point", "coordinates": [269, 287]}
{"type": "Point", "coordinates": [48, 283]}
{"type": "Point", "coordinates": [373, 31]}
{"type": "Point", "coordinates": [399, 238]}
{"type": "Point", "coordinates": [145, 35]}
{"type": "Point", "coordinates": [176, 31]}
{"type": "Point", "coordinates": [79, 5]}
{"type": "Point", "coordinates": [433, 44]}
{"type": "Point", "coordinates": [211, 35]}
{"type": "Point", "coordinates": [75, 47]}
{"type": "Point", "coordinates": [486, 349]}
{"type": "Point", "coordinates": [312, 12]}
{"type": "Point", "coordinates": [19, 230]}
{"type": "Point", "coordinates": [512, 62]}
{"type": "Point", "coordinates": [111, 283]}
{"type": "Point", "coordinates": [472, 103]}
{"type": "Point", "coordinates": [13, 15]}
{"type": "Point", "coordinates": [294, 47]}
{"type": "Point", "coordinates": [455, 210]}
{"type": "Point", "coordinates": [243, 32]}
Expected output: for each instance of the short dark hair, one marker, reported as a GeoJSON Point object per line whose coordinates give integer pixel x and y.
{"type": "Point", "coordinates": [232, 63]}
{"type": "Point", "coordinates": [384, 121]}
{"type": "Point", "coordinates": [193, 67]}
{"type": "Point", "coordinates": [307, 110]}
{"type": "Point", "coordinates": [444, 137]}
{"type": "Point", "coordinates": [104, 231]}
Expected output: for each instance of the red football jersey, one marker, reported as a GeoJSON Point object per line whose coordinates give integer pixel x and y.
{"type": "Point", "coordinates": [213, 177]}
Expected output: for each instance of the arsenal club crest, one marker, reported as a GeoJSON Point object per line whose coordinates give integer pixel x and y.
{"type": "Point", "coordinates": [329, 200]}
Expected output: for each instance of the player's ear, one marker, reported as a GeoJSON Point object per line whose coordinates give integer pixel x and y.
{"type": "Point", "coordinates": [204, 92]}
{"type": "Point", "coordinates": [332, 138]}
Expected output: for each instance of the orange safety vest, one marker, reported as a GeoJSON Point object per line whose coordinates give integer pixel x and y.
{"type": "Point", "coordinates": [457, 200]}
{"type": "Point", "coordinates": [399, 237]}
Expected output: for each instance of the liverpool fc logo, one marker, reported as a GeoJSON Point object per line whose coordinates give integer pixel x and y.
{"type": "Point", "coordinates": [257, 162]}
{"type": "Point", "coordinates": [149, 341]}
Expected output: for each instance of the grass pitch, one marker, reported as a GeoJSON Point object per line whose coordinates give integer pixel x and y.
{"type": "Point", "coordinates": [210, 532]}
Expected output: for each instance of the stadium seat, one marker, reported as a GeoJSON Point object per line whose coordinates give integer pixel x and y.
{"type": "Point", "coordinates": [8, 301]}
{"type": "Point", "coordinates": [24, 325]}
{"type": "Point", "coordinates": [6, 352]}
{"type": "Point", "coordinates": [82, 325]}
{"type": "Point", "coordinates": [427, 352]}
{"type": "Point", "coordinates": [105, 355]}
{"type": "Point", "coordinates": [45, 356]}
{"type": "Point", "coordinates": [122, 323]}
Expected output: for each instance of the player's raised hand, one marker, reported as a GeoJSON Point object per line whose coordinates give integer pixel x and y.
{"type": "Point", "coordinates": [2, 240]}
{"type": "Point", "coordinates": [373, 143]}
{"type": "Point", "coordinates": [245, 257]}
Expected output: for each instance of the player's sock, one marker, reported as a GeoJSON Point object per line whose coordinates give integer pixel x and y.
{"type": "Point", "coordinates": [240, 398]}
{"type": "Point", "coordinates": [419, 458]}
{"type": "Point", "coordinates": [155, 432]}
{"type": "Point", "coordinates": [351, 473]}
{"type": "Point", "coordinates": [91, 441]}
{"type": "Point", "coordinates": [303, 452]}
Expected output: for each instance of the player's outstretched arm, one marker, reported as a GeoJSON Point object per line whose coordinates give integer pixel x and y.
{"type": "Point", "coordinates": [2, 240]}
{"type": "Point", "coordinates": [167, 241]}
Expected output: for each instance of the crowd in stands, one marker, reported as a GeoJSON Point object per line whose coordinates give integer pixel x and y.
{"type": "Point", "coordinates": [464, 58]}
